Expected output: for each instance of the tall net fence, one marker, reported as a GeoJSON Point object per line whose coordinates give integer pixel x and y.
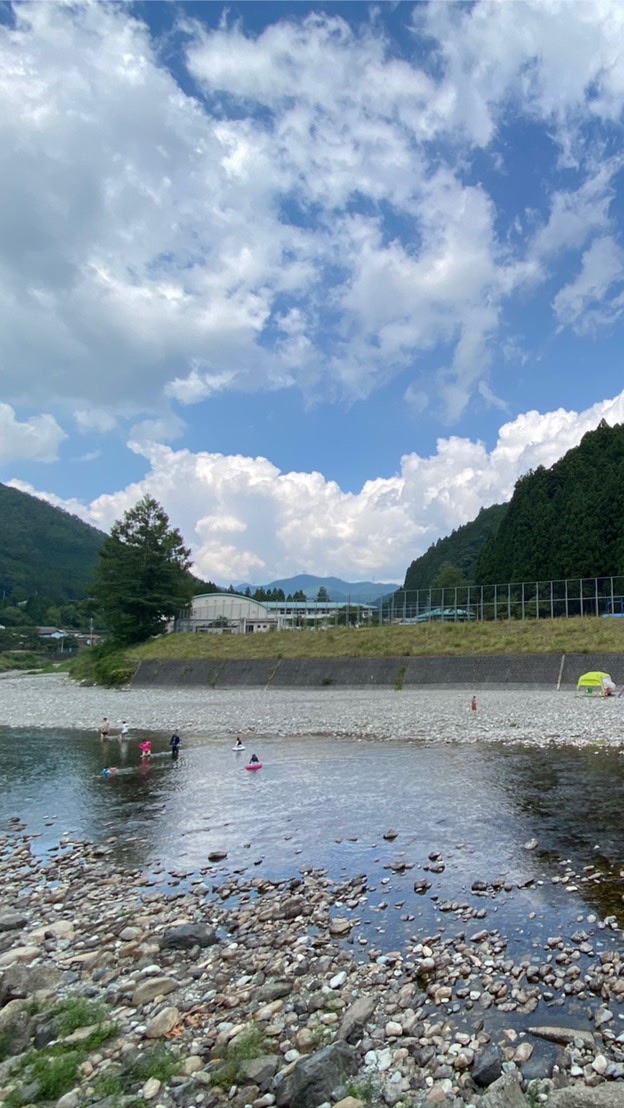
{"type": "Point", "coordinates": [575, 596]}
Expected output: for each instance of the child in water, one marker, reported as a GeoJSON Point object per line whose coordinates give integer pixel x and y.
{"type": "Point", "coordinates": [239, 745]}
{"type": "Point", "coordinates": [146, 748]}
{"type": "Point", "coordinates": [254, 758]}
{"type": "Point", "coordinates": [174, 743]}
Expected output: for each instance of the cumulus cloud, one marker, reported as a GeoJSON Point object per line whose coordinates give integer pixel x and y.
{"type": "Point", "coordinates": [300, 215]}
{"type": "Point", "coordinates": [246, 520]}
{"type": "Point", "coordinates": [35, 440]}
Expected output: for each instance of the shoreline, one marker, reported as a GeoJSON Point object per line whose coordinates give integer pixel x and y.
{"type": "Point", "coordinates": [232, 956]}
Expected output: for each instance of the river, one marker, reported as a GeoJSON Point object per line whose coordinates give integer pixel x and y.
{"type": "Point", "coordinates": [524, 794]}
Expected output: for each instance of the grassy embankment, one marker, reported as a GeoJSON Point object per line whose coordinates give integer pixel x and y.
{"type": "Point", "coordinates": [558, 636]}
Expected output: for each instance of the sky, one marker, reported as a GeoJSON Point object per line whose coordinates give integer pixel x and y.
{"type": "Point", "coordinates": [323, 279]}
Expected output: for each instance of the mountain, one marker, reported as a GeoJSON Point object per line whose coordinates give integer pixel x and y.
{"type": "Point", "coordinates": [460, 550]}
{"type": "Point", "coordinates": [44, 550]}
{"type": "Point", "coordinates": [365, 592]}
{"type": "Point", "coordinates": [566, 521]}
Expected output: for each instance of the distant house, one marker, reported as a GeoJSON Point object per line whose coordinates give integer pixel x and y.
{"type": "Point", "coordinates": [231, 613]}
{"type": "Point", "coordinates": [51, 633]}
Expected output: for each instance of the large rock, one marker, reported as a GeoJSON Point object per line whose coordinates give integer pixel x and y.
{"type": "Point", "coordinates": [259, 1071]}
{"type": "Point", "coordinates": [487, 1066]}
{"type": "Point", "coordinates": [505, 1093]}
{"type": "Point", "coordinates": [151, 988]}
{"type": "Point", "coordinates": [188, 936]}
{"type": "Point", "coordinates": [11, 920]}
{"type": "Point", "coordinates": [162, 1023]}
{"type": "Point", "coordinates": [578, 1096]}
{"type": "Point", "coordinates": [25, 981]}
{"type": "Point", "coordinates": [312, 1079]}
{"type": "Point", "coordinates": [15, 1026]}
{"type": "Point", "coordinates": [356, 1017]}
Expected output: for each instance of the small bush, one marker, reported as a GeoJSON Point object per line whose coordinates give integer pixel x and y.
{"type": "Point", "coordinates": [77, 1011]}
{"type": "Point", "coordinates": [249, 1044]}
{"type": "Point", "coordinates": [155, 1061]}
{"type": "Point", "coordinates": [102, 665]}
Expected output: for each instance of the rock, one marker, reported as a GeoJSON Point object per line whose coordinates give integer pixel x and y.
{"type": "Point", "coordinates": [20, 954]}
{"type": "Point", "coordinates": [15, 1027]}
{"type": "Point", "coordinates": [350, 1102]}
{"type": "Point", "coordinates": [151, 988]}
{"type": "Point", "coordinates": [274, 990]}
{"type": "Point", "coordinates": [390, 835]}
{"type": "Point", "coordinates": [11, 920]}
{"type": "Point", "coordinates": [532, 844]}
{"type": "Point", "coordinates": [563, 1035]}
{"type": "Point", "coordinates": [312, 1079]}
{"type": "Point", "coordinates": [260, 1071]}
{"type": "Point", "coordinates": [339, 927]}
{"type": "Point", "coordinates": [162, 1023]}
{"type": "Point", "coordinates": [291, 907]}
{"type": "Point", "coordinates": [151, 1088]}
{"type": "Point", "coordinates": [356, 1017]}
{"type": "Point", "coordinates": [188, 936]}
{"type": "Point", "coordinates": [505, 1093]}
{"type": "Point", "coordinates": [487, 1066]}
{"type": "Point", "coordinates": [72, 1099]}
{"type": "Point", "coordinates": [217, 855]}
{"type": "Point", "coordinates": [338, 980]}
{"type": "Point", "coordinates": [25, 981]}
{"type": "Point", "coordinates": [577, 1096]}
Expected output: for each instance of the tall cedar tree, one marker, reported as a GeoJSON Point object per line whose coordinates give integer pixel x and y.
{"type": "Point", "coordinates": [142, 577]}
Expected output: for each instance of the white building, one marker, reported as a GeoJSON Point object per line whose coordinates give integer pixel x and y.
{"type": "Point", "coordinates": [228, 612]}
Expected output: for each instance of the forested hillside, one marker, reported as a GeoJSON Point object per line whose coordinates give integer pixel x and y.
{"type": "Point", "coordinates": [43, 550]}
{"type": "Point", "coordinates": [459, 551]}
{"type": "Point", "coordinates": [566, 521]}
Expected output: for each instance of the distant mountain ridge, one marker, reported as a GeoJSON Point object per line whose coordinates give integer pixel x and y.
{"type": "Point", "coordinates": [339, 591]}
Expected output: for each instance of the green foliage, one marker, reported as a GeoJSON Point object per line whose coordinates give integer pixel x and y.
{"type": "Point", "coordinates": [53, 1072]}
{"type": "Point", "coordinates": [448, 577]}
{"type": "Point", "coordinates": [155, 1061]}
{"type": "Point", "coordinates": [102, 665]}
{"type": "Point", "coordinates": [142, 577]}
{"type": "Point", "coordinates": [566, 521]}
{"type": "Point", "coordinates": [249, 1044]}
{"type": "Point", "coordinates": [76, 1011]}
{"type": "Point", "coordinates": [460, 549]}
{"type": "Point", "coordinates": [43, 550]}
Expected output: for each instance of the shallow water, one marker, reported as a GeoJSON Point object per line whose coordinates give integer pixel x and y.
{"type": "Point", "coordinates": [341, 767]}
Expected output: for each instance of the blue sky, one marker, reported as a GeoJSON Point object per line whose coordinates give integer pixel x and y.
{"type": "Point", "coordinates": [324, 279]}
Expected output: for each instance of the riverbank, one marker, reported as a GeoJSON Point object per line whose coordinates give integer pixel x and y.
{"type": "Point", "coordinates": [535, 652]}
{"type": "Point", "coordinates": [233, 989]}
{"type": "Point", "coordinates": [478, 671]}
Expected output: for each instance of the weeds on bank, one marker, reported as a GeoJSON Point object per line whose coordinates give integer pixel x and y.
{"type": "Point", "coordinates": [155, 1061]}
{"type": "Point", "coordinates": [532, 636]}
{"type": "Point", "coordinates": [363, 1090]}
{"type": "Point", "coordinates": [249, 1044]}
{"type": "Point", "coordinates": [48, 1073]}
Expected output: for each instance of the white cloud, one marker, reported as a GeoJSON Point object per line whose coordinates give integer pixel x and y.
{"type": "Point", "coordinates": [152, 245]}
{"type": "Point", "coordinates": [96, 420]}
{"type": "Point", "coordinates": [602, 267]}
{"type": "Point", "coordinates": [35, 440]}
{"type": "Point", "coordinates": [246, 520]}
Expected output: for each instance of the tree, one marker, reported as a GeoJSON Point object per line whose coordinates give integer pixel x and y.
{"type": "Point", "coordinates": [448, 577]}
{"type": "Point", "coordinates": [322, 595]}
{"type": "Point", "coordinates": [142, 576]}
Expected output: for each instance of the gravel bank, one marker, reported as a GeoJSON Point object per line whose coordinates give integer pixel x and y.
{"type": "Point", "coordinates": [236, 965]}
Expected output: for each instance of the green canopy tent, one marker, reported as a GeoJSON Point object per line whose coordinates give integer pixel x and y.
{"type": "Point", "coordinates": [595, 683]}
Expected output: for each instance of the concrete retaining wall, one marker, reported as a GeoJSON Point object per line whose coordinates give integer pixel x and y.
{"type": "Point", "coordinates": [469, 671]}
